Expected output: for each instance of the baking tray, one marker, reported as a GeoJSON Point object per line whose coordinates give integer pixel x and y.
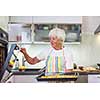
{"type": "Point", "coordinates": [58, 78]}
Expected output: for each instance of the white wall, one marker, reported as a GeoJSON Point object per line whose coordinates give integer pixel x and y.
{"type": "Point", "coordinates": [89, 24]}
{"type": "Point", "coordinates": [86, 54]}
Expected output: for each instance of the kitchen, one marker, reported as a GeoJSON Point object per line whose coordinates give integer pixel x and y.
{"type": "Point", "coordinates": [25, 31]}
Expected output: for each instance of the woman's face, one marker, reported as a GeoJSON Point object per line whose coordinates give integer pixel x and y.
{"type": "Point", "coordinates": [56, 42]}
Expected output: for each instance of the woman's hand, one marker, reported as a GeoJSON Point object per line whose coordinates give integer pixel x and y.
{"type": "Point", "coordinates": [23, 50]}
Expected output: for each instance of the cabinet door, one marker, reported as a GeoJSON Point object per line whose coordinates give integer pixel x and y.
{"type": "Point", "coordinates": [21, 19]}
{"type": "Point", "coordinates": [57, 19]}
{"type": "Point", "coordinates": [20, 32]}
{"type": "Point", "coordinates": [4, 22]}
{"type": "Point", "coordinates": [46, 19]}
{"type": "Point", "coordinates": [72, 31]}
{"type": "Point", "coordinates": [93, 78]}
{"type": "Point", "coordinates": [24, 79]}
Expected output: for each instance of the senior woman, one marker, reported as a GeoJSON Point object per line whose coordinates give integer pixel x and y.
{"type": "Point", "coordinates": [58, 58]}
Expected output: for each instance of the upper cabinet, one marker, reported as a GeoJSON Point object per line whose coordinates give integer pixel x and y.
{"type": "Point", "coordinates": [19, 32]}
{"type": "Point", "coordinates": [46, 19]}
{"type": "Point", "coordinates": [4, 22]}
{"type": "Point", "coordinates": [72, 31]}
{"type": "Point", "coordinates": [58, 19]}
{"type": "Point", "coordinates": [36, 28]}
{"type": "Point", "coordinates": [20, 19]}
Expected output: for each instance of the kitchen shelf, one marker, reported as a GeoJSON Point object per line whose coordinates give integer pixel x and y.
{"type": "Point", "coordinates": [73, 32]}
{"type": "Point", "coordinates": [41, 43]}
{"type": "Point", "coordinates": [23, 34]}
{"type": "Point", "coordinates": [15, 42]}
{"type": "Point", "coordinates": [64, 43]}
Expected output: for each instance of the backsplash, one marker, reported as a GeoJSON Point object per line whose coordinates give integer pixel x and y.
{"type": "Point", "coordinates": [87, 53]}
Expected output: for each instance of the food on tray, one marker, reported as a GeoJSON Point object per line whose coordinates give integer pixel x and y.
{"type": "Point", "coordinates": [22, 68]}
{"type": "Point", "coordinates": [59, 76]}
{"type": "Point", "coordinates": [89, 69]}
{"type": "Point", "coordinates": [76, 70]}
{"type": "Point", "coordinates": [83, 69]}
{"type": "Point", "coordinates": [67, 76]}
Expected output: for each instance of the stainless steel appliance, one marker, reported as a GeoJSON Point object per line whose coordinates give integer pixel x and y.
{"type": "Point", "coordinates": [3, 47]}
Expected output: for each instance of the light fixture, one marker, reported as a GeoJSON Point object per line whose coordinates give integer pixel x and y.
{"type": "Point", "coordinates": [97, 31]}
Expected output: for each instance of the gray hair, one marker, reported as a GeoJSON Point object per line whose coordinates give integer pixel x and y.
{"type": "Point", "coordinates": [60, 33]}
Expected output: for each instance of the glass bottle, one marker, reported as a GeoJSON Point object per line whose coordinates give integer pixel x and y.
{"type": "Point", "coordinates": [75, 66]}
{"type": "Point", "coordinates": [17, 64]}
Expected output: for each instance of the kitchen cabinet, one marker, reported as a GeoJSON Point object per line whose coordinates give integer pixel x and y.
{"type": "Point", "coordinates": [4, 22]}
{"type": "Point", "coordinates": [19, 32]}
{"type": "Point", "coordinates": [58, 19]}
{"type": "Point", "coordinates": [46, 19]}
{"type": "Point", "coordinates": [38, 33]}
{"type": "Point", "coordinates": [94, 78]}
{"type": "Point", "coordinates": [35, 29]}
{"type": "Point", "coordinates": [24, 79]}
{"type": "Point", "coordinates": [72, 31]}
{"type": "Point", "coordinates": [20, 19]}
{"type": "Point", "coordinates": [82, 79]}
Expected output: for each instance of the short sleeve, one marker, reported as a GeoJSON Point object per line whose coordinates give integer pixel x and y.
{"type": "Point", "coordinates": [43, 54]}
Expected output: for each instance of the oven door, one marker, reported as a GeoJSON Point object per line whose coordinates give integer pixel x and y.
{"type": "Point", "coordinates": [3, 54]}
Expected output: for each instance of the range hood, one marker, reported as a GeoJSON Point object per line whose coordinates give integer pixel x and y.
{"type": "Point", "coordinates": [97, 31]}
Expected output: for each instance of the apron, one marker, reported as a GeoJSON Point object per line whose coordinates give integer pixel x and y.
{"type": "Point", "coordinates": [55, 64]}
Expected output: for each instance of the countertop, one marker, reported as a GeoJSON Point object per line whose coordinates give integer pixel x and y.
{"type": "Point", "coordinates": [26, 72]}
{"type": "Point", "coordinates": [39, 71]}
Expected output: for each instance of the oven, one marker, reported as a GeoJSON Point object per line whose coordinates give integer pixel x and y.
{"type": "Point", "coordinates": [3, 47]}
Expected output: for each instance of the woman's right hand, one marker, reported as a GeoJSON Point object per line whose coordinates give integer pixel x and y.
{"type": "Point", "coordinates": [23, 50]}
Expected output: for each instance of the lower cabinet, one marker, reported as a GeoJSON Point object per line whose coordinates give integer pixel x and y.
{"type": "Point", "coordinates": [32, 79]}
{"type": "Point", "coordinates": [94, 78]}
{"type": "Point", "coordinates": [82, 79]}
{"type": "Point", "coordinates": [22, 79]}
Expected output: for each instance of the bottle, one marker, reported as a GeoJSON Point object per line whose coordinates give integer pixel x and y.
{"type": "Point", "coordinates": [75, 66]}
{"type": "Point", "coordinates": [17, 64]}
{"type": "Point", "coordinates": [11, 64]}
